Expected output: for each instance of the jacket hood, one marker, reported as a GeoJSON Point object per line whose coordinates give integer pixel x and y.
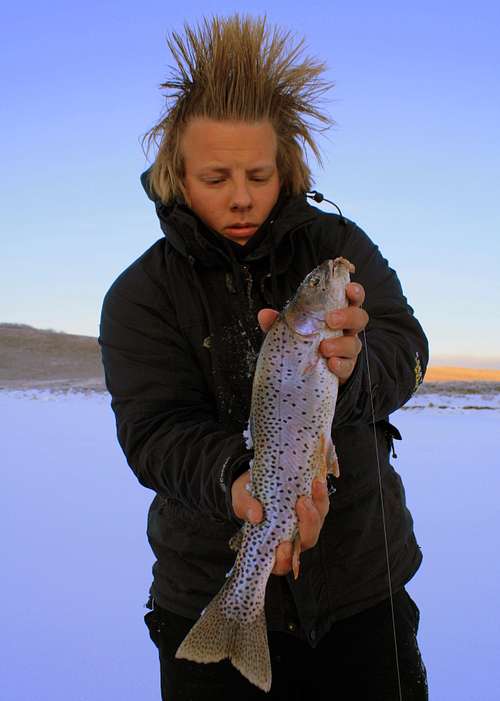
{"type": "Point", "coordinates": [190, 236]}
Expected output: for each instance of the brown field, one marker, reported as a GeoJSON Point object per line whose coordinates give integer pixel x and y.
{"type": "Point", "coordinates": [453, 374]}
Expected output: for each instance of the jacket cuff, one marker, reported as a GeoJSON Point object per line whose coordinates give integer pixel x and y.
{"type": "Point", "coordinates": [230, 471]}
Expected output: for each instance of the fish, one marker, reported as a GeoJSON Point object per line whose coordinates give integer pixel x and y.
{"type": "Point", "coordinates": [292, 409]}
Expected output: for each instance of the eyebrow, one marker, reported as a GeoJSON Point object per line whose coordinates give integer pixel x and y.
{"type": "Point", "coordinates": [225, 171]}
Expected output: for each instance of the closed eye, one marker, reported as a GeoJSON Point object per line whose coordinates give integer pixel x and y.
{"type": "Point", "coordinates": [220, 180]}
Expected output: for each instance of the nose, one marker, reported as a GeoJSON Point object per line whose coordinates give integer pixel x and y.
{"type": "Point", "coordinates": [241, 197]}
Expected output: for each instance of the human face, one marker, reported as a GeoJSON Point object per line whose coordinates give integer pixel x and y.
{"type": "Point", "coordinates": [231, 177]}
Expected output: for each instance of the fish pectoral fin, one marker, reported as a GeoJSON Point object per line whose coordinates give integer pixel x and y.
{"type": "Point", "coordinates": [296, 555]}
{"type": "Point", "coordinates": [313, 356]}
{"type": "Point", "coordinates": [236, 540]}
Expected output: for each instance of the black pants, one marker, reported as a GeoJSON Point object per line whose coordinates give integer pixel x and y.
{"type": "Point", "coordinates": [355, 661]}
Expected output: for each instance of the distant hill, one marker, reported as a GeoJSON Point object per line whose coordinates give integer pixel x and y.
{"type": "Point", "coordinates": [42, 358]}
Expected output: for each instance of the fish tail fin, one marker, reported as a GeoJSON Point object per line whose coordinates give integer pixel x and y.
{"type": "Point", "coordinates": [214, 637]}
{"type": "Point", "coordinates": [250, 652]}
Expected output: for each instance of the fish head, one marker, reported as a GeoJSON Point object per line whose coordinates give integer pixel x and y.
{"type": "Point", "coordinates": [305, 313]}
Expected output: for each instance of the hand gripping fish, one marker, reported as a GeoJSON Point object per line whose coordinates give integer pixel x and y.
{"type": "Point", "coordinates": [293, 404]}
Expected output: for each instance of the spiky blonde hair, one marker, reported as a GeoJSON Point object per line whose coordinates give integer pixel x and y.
{"type": "Point", "coordinates": [229, 69]}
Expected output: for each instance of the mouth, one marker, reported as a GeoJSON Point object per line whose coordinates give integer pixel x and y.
{"type": "Point", "coordinates": [242, 228]}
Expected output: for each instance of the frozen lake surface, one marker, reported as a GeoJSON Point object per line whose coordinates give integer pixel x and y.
{"type": "Point", "coordinates": [76, 565]}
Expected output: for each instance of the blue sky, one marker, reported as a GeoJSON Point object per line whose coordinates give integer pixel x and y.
{"type": "Point", "coordinates": [413, 159]}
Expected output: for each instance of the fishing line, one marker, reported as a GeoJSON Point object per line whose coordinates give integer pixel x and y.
{"type": "Point", "coordinates": [319, 197]}
{"type": "Point", "coordinates": [383, 517]}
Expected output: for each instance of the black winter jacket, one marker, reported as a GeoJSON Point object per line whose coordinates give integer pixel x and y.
{"type": "Point", "coordinates": [179, 339]}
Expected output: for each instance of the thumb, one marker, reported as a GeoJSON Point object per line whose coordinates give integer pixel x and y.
{"type": "Point", "coordinates": [266, 318]}
{"type": "Point", "coordinates": [244, 505]}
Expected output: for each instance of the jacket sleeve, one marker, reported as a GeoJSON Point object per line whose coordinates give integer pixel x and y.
{"type": "Point", "coordinates": [395, 352]}
{"type": "Point", "coordinates": [165, 417]}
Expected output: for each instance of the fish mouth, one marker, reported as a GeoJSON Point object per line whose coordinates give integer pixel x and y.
{"type": "Point", "coordinates": [327, 267]}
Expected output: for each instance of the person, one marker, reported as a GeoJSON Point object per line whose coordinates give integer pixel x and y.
{"type": "Point", "coordinates": [180, 333]}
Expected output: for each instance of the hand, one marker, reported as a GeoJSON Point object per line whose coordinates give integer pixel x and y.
{"type": "Point", "coordinates": [311, 513]}
{"type": "Point", "coordinates": [342, 352]}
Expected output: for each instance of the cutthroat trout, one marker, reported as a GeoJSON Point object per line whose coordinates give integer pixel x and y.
{"type": "Point", "coordinates": [293, 404]}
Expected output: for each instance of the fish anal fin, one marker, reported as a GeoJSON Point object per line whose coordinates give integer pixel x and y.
{"type": "Point", "coordinates": [325, 459]}
{"type": "Point", "coordinates": [332, 459]}
{"type": "Point", "coordinates": [320, 465]}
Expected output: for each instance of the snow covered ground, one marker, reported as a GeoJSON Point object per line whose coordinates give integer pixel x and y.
{"type": "Point", "coordinates": [76, 565]}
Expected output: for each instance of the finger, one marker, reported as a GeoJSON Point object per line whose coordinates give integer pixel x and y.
{"type": "Point", "coordinates": [320, 497]}
{"type": "Point", "coordinates": [342, 367]}
{"type": "Point", "coordinates": [244, 505]}
{"type": "Point", "coordinates": [310, 522]}
{"type": "Point", "coordinates": [253, 511]}
{"type": "Point", "coordinates": [248, 509]}
{"type": "Point", "coordinates": [283, 561]}
{"type": "Point", "coordinates": [341, 347]}
{"type": "Point", "coordinates": [355, 293]}
{"type": "Point", "coordinates": [350, 320]}
{"type": "Point", "coordinates": [266, 318]}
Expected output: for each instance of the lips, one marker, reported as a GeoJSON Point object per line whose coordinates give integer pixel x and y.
{"type": "Point", "coordinates": [240, 230]}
